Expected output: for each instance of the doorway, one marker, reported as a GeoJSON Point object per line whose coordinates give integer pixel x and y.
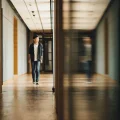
{"type": "Point", "coordinates": [47, 65]}
{"type": "Point", "coordinates": [48, 55]}
{"type": "Point", "coordinates": [15, 45]}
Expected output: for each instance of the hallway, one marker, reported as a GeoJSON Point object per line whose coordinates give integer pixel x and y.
{"type": "Point", "coordinates": [74, 45]}
{"type": "Point", "coordinates": [21, 100]}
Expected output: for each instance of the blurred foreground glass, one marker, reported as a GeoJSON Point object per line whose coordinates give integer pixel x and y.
{"type": "Point", "coordinates": [77, 55]}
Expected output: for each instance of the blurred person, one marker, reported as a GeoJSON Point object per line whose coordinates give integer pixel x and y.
{"type": "Point", "coordinates": [35, 56]}
{"type": "Point", "coordinates": [88, 58]}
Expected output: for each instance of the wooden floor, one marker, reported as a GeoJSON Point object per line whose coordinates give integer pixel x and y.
{"type": "Point", "coordinates": [21, 100]}
{"type": "Point", "coordinates": [99, 100]}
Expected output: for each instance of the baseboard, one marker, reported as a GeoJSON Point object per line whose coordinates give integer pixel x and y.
{"type": "Point", "coordinates": [105, 75]}
{"type": "Point", "coordinates": [23, 74]}
{"type": "Point", "coordinates": [15, 76]}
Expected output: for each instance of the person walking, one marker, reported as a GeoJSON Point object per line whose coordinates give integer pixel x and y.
{"type": "Point", "coordinates": [88, 58]}
{"type": "Point", "coordinates": [35, 56]}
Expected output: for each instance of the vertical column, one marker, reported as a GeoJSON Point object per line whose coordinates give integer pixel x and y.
{"type": "Point", "coordinates": [28, 39]}
{"type": "Point", "coordinates": [59, 59]}
{"type": "Point", "coordinates": [119, 42]}
{"type": "Point", "coordinates": [1, 56]}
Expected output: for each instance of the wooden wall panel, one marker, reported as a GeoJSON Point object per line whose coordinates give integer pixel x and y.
{"type": "Point", "coordinates": [15, 46]}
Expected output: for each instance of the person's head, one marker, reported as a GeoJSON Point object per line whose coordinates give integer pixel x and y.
{"type": "Point", "coordinates": [36, 39]}
{"type": "Point", "coordinates": [87, 40]}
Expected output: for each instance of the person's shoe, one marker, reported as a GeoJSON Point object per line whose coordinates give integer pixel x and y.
{"type": "Point", "coordinates": [37, 84]}
{"type": "Point", "coordinates": [89, 82]}
{"type": "Point", "coordinates": [33, 82]}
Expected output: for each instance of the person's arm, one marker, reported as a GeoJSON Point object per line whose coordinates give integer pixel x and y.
{"type": "Point", "coordinates": [41, 50]}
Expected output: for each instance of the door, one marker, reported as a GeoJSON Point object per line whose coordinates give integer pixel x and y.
{"type": "Point", "coordinates": [15, 47]}
{"type": "Point", "coordinates": [47, 65]}
{"type": "Point", "coordinates": [48, 55]}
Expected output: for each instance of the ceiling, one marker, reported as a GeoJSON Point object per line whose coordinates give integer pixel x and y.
{"type": "Point", "coordinates": [35, 13]}
{"type": "Point", "coordinates": [83, 14]}
{"type": "Point", "coordinates": [77, 14]}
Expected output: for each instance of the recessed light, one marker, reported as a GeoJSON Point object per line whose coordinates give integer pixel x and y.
{"type": "Point", "coordinates": [32, 11]}
{"type": "Point", "coordinates": [91, 11]}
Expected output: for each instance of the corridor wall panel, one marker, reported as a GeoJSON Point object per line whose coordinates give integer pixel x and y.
{"type": "Point", "coordinates": [8, 19]}
{"type": "Point", "coordinates": [100, 49]}
{"type": "Point", "coordinates": [22, 48]}
{"type": "Point", "coordinates": [113, 40]}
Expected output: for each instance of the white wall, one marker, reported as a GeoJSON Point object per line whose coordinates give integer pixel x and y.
{"type": "Point", "coordinates": [100, 57]}
{"type": "Point", "coordinates": [22, 49]}
{"type": "Point", "coordinates": [113, 43]}
{"type": "Point", "coordinates": [8, 16]}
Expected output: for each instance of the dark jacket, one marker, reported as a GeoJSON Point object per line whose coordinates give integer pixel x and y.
{"type": "Point", "coordinates": [40, 51]}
